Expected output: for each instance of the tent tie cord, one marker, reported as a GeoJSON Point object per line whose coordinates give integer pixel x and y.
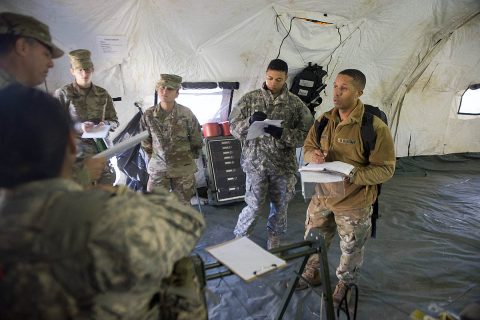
{"type": "Point", "coordinates": [277, 17]}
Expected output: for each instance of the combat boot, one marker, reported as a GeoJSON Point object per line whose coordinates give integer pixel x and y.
{"type": "Point", "coordinates": [273, 241]}
{"type": "Point", "coordinates": [312, 277]}
{"type": "Point", "coordinates": [339, 294]}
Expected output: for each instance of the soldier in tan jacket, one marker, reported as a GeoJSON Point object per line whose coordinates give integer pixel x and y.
{"type": "Point", "coordinates": [350, 213]}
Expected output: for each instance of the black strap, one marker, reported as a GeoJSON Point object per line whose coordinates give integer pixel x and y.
{"type": "Point", "coordinates": [320, 126]}
{"type": "Point", "coordinates": [368, 134]}
{"type": "Point", "coordinates": [369, 138]}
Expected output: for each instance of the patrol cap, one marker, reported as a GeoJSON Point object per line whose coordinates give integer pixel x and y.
{"type": "Point", "coordinates": [26, 26]}
{"type": "Point", "coordinates": [169, 81]}
{"type": "Point", "coordinates": [80, 59]}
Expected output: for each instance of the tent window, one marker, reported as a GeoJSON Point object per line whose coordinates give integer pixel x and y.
{"type": "Point", "coordinates": [206, 104]}
{"type": "Point", "coordinates": [209, 101]}
{"type": "Point", "coordinates": [470, 101]}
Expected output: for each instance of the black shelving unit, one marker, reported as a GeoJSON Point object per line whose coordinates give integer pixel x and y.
{"type": "Point", "coordinates": [224, 175]}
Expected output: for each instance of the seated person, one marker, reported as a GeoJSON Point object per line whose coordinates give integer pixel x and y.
{"type": "Point", "coordinates": [69, 253]}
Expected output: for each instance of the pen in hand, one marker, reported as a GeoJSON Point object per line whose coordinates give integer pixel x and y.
{"type": "Point", "coordinates": [319, 156]}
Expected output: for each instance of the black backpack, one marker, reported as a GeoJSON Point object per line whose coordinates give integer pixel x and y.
{"type": "Point", "coordinates": [308, 84]}
{"type": "Point", "coordinates": [368, 138]}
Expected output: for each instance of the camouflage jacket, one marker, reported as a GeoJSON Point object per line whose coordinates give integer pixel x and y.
{"type": "Point", "coordinates": [6, 79]}
{"type": "Point", "coordinates": [73, 254]}
{"type": "Point", "coordinates": [92, 104]}
{"type": "Point", "coordinates": [175, 140]}
{"type": "Point", "coordinates": [266, 153]}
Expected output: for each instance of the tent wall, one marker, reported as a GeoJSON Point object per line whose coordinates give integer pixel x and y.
{"type": "Point", "coordinates": [429, 119]}
{"type": "Point", "coordinates": [418, 56]}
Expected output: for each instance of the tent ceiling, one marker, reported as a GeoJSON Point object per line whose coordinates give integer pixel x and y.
{"type": "Point", "coordinates": [418, 56]}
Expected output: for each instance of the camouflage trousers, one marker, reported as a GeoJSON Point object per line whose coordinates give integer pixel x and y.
{"type": "Point", "coordinates": [279, 189]}
{"type": "Point", "coordinates": [183, 187]}
{"type": "Point", "coordinates": [353, 227]}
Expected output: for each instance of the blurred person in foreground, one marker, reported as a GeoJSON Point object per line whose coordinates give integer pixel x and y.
{"type": "Point", "coordinates": [67, 253]}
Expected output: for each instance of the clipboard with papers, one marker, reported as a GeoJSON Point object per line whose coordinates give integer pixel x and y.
{"type": "Point", "coordinates": [99, 131]}
{"type": "Point", "coordinates": [256, 128]}
{"type": "Point", "coordinates": [245, 258]}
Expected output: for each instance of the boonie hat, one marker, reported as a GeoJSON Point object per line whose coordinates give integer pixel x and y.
{"type": "Point", "coordinates": [26, 26]}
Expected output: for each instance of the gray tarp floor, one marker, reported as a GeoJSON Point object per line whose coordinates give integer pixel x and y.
{"type": "Point", "coordinates": [426, 255]}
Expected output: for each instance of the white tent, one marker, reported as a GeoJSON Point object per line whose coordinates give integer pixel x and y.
{"type": "Point", "coordinates": [419, 56]}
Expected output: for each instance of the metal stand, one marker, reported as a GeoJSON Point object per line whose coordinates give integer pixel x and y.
{"type": "Point", "coordinates": [314, 244]}
{"type": "Point", "coordinates": [198, 201]}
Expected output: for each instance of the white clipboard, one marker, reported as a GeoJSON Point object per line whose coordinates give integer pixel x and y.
{"type": "Point", "coordinates": [245, 258]}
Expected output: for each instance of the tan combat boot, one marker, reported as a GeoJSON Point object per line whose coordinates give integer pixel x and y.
{"type": "Point", "coordinates": [312, 275]}
{"type": "Point", "coordinates": [339, 294]}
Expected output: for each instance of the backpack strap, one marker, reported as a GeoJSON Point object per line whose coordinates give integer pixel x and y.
{"type": "Point", "coordinates": [369, 138]}
{"type": "Point", "coordinates": [368, 134]}
{"type": "Point", "coordinates": [320, 126]}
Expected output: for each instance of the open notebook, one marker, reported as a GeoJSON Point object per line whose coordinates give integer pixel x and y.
{"type": "Point", "coordinates": [332, 167]}
{"type": "Point", "coordinates": [327, 172]}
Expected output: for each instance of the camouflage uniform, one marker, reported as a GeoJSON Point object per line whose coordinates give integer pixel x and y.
{"type": "Point", "coordinates": [175, 141]}
{"type": "Point", "coordinates": [269, 163]}
{"type": "Point", "coordinates": [350, 213]}
{"type": "Point", "coordinates": [74, 254]}
{"type": "Point", "coordinates": [91, 104]}
{"type": "Point", "coordinates": [6, 79]}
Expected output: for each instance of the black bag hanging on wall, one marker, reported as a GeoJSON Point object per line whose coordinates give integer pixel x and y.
{"type": "Point", "coordinates": [308, 84]}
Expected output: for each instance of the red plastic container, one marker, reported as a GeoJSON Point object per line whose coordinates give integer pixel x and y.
{"type": "Point", "coordinates": [211, 129]}
{"type": "Point", "coordinates": [225, 126]}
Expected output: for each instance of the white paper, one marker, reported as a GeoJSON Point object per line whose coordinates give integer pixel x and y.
{"type": "Point", "coordinates": [245, 258]}
{"type": "Point", "coordinates": [97, 132]}
{"type": "Point", "coordinates": [320, 177]}
{"type": "Point", "coordinates": [124, 145]}
{"type": "Point", "coordinates": [332, 167]}
{"type": "Point", "coordinates": [256, 128]}
{"type": "Point", "coordinates": [113, 45]}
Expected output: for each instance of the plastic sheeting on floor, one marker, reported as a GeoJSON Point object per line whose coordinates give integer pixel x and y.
{"type": "Point", "coordinates": [426, 255]}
